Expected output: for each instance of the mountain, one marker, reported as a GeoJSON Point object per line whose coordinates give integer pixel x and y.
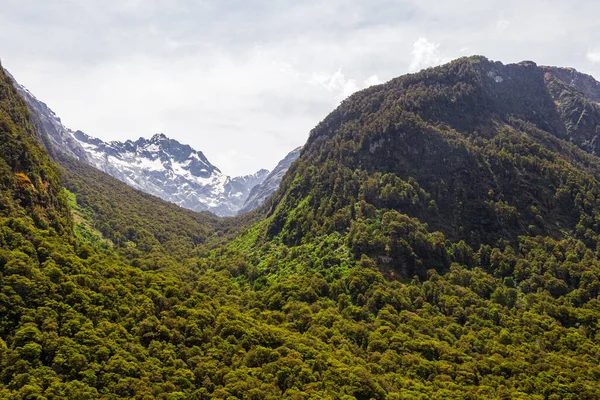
{"type": "Point", "coordinates": [261, 192]}
{"type": "Point", "coordinates": [172, 171]}
{"type": "Point", "coordinates": [159, 166]}
{"type": "Point", "coordinates": [452, 219]}
{"type": "Point", "coordinates": [586, 84]}
{"type": "Point", "coordinates": [437, 237]}
{"type": "Point", "coordinates": [52, 271]}
{"type": "Point", "coordinates": [477, 150]}
{"type": "Point", "coordinates": [57, 138]}
{"type": "Point", "coordinates": [29, 181]}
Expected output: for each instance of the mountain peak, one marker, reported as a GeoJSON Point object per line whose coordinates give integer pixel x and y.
{"type": "Point", "coordinates": [527, 63]}
{"type": "Point", "coordinates": [580, 81]}
{"type": "Point", "coordinates": [159, 137]}
{"type": "Point", "coordinates": [157, 165]}
{"type": "Point", "coordinates": [171, 170]}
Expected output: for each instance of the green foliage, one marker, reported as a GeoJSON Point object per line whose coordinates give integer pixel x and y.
{"type": "Point", "coordinates": [83, 224]}
{"type": "Point", "coordinates": [436, 239]}
{"type": "Point", "coordinates": [27, 176]}
{"type": "Point", "coordinates": [148, 232]}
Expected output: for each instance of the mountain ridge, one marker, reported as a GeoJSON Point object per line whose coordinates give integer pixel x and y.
{"type": "Point", "coordinates": [158, 165]}
{"type": "Point", "coordinates": [170, 170]}
{"type": "Point", "coordinates": [261, 192]}
{"type": "Point", "coordinates": [439, 135]}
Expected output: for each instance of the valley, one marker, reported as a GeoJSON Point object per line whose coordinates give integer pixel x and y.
{"type": "Point", "coordinates": [436, 237]}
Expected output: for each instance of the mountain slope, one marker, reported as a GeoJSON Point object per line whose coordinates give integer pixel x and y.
{"type": "Point", "coordinates": [29, 180]}
{"type": "Point", "coordinates": [159, 166]}
{"type": "Point", "coordinates": [477, 150]}
{"type": "Point", "coordinates": [264, 190]}
{"type": "Point", "coordinates": [571, 78]}
{"type": "Point", "coordinates": [144, 229]}
{"type": "Point", "coordinates": [444, 226]}
{"type": "Point", "coordinates": [71, 313]}
{"type": "Point", "coordinates": [76, 321]}
{"type": "Point", "coordinates": [58, 138]}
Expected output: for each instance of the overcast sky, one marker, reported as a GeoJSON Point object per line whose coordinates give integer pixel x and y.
{"type": "Point", "coordinates": [246, 81]}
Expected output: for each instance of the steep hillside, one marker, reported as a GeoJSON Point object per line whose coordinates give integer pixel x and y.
{"type": "Point", "coordinates": [76, 320]}
{"type": "Point", "coordinates": [477, 150]}
{"type": "Point", "coordinates": [443, 228]}
{"type": "Point", "coordinates": [29, 180]}
{"type": "Point", "coordinates": [261, 192]}
{"type": "Point", "coordinates": [583, 83]}
{"type": "Point", "coordinates": [145, 229]}
{"type": "Point", "coordinates": [57, 138]}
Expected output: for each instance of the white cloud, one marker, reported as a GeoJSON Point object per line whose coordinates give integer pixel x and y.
{"type": "Point", "coordinates": [593, 56]}
{"type": "Point", "coordinates": [425, 54]}
{"type": "Point", "coordinates": [372, 80]}
{"type": "Point", "coordinates": [340, 86]}
{"type": "Point", "coordinates": [502, 24]}
{"type": "Point", "coordinates": [239, 80]}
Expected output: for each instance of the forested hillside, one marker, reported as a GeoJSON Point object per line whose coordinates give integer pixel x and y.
{"type": "Point", "coordinates": [437, 238]}
{"type": "Point", "coordinates": [463, 200]}
{"type": "Point", "coordinates": [146, 230]}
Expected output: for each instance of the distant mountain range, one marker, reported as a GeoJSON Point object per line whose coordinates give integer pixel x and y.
{"type": "Point", "coordinates": [270, 184]}
{"type": "Point", "coordinates": [172, 171]}
{"type": "Point", "coordinates": [160, 166]}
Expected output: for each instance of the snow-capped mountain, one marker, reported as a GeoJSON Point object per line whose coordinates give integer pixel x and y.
{"type": "Point", "coordinates": [172, 171]}
{"type": "Point", "coordinates": [160, 166]}
{"type": "Point", "coordinates": [262, 192]}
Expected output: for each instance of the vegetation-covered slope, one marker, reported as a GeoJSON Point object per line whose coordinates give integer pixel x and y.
{"type": "Point", "coordinates": [479, 151]}
{"type": "Point", "coordinates": [30, 181]}
{"type": "Point", "coordinates": [437, 238]}
{"type": "Point", "coordinates": [471, 179]}
{"type": "Point", "coordinates": [146, 230]}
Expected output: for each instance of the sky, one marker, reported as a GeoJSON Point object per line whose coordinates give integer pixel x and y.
{"type": "Point", "coordinates": [245, 81]}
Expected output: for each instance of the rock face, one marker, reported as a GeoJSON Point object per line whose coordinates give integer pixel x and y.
{"type": "Point", "coordinates": [160, 166]}
{"type": "Point", "coordinates": [577, 98]}
{"type": "Point", "coordinates": [172, 171]}
{"type": "Point", "coordinates": [584, 83]}
{"type": "Point", "coordinates": [262, 192]}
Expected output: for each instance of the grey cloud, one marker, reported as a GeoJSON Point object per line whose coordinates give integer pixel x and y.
{"type": "Point", "coordinates": [245, 81]}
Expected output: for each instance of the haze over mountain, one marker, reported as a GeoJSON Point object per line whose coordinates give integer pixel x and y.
{"type": "Point", "coordinates": [437, 237]}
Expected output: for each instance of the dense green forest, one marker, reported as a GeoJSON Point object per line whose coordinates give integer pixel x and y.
{"type": "Point", "coordinates": [437, 238]}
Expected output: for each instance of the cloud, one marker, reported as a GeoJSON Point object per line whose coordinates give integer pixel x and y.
{"type": "Point", "coordinates": [340, 86]}
{"type": "Point", "coordinates": [593, 56]}
{"type": "Point", "coordinates": [425, 54]}
{"type": "Point", "coordinates": [245, 82]}
{"type": "Point", "coordinates": [502, 24]}
{"type": "Point", "coordinates": [372, 80]}
{"type": "Point", "coordinates": [335, 83]}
